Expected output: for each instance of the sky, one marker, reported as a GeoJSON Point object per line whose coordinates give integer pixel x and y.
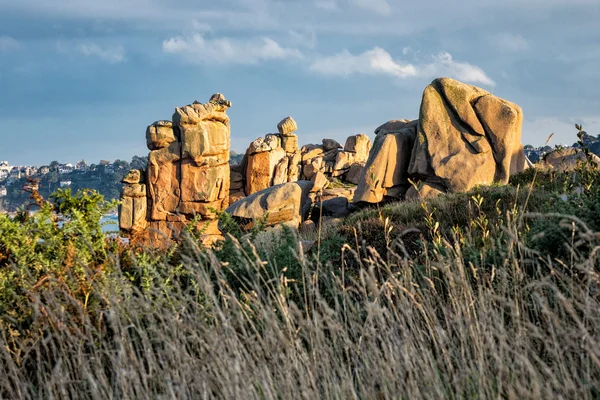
{"type": "Point", "coordinates": [81, 79]}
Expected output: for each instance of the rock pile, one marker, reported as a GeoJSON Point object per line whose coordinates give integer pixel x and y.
{"type": "Point", "coordinates": [565, 160]}
{"type": "Point", "coordinates": [464, 137]}
{"type": "Point", "coordinates": [187, 175]}
{"type": "Point", "coordinates": [276, 159]}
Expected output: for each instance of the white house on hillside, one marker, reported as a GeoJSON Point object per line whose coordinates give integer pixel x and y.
{"type": "Point", "coordinates": [65, 168]}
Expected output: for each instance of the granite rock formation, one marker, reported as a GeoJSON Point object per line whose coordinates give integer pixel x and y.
{"type": "Point", "coordinates": [464, 137]}
{"type": "Point", "coordinates": [277, 159]}
{"type": "Point", "coordinates": [187, 177]}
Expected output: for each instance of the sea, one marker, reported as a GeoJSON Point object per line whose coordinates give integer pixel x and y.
{"type": "Point", "coordinates": [110, 223]}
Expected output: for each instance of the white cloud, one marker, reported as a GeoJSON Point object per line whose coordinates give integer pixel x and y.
{"type": "Point", "coordinates": [109, 54]}
{"type": "Point", "coordinates": [379, 62]}
{"type": "Point", "coordinates": [372, 62]}
{"type": "Point", "coordinates": [444, 65]}
{"type": "Point", "coordinates": [198, 49]}
{"type": "Point", "coordinates": [8, 43]}
{"type": "Point", "coordinates": [328, 5]}
{"type": "Point", "coordinates": [509, 42]}
{"type": "Point", "coordinates": [381, 7]}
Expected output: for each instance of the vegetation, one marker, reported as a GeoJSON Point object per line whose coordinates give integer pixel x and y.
{"type": "Point", "coordinates": [493, 293]}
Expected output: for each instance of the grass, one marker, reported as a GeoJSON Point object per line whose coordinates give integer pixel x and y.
{"type": "Point", "coordinates": [489, 294]}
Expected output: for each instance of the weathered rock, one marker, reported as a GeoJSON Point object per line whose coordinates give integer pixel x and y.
{"type": "Point", "coordinates": [387, 165]}
{"type": "Point", "coordinates": [204, 184]}
{"type": "Point", "coordinates": [337, 207]}
{"type": "Point", "coordinates": [330, 144]}
{"type": "Point", "coordinates": [345, 160]}
{"type": "Point", "coordinates": [319, 182]}
{"type": "Point", "coordinates": [134, 190]}
{"type": "Point", "coordinates": [163, 177]}
{"type": "Point", "coordinates": [126, 213]}
{"type": "Point", "coordinates": [392, 126]}
{"type": "Point", "coordinates": [315, 165]}
{"type": "Point", "coordinates": [354, 173]}
{"type": "Point", "coordinates": [140, 211]}
{"type": "Point", "coordinates": [330, 193]}
{"type": "Point", "coordinates": [331, 155]}
{"type": "Point", "coordinates": [294, 167]}
{"type": "Point", "coordinates": [133, 176]}
{"type": "Point", "coordinates": [187, 174]}
{"type": "Point", "coordinates": [307, 226]}
{"type": "Point", "coordinates": [235, 196]}
{"type": "Point", "coordinates": [466, 137]}
{"type": "Point", "coordinates": [236, 185]}
{"type": "Point", "coordinates": [134, 207]}
{"type": "Point", "coordinates": [426, 190]}
{"type": "Point", "coordinates": [287, 126]}
{"type": "Point", "coordinates": [312, 153]}
{"type": "Point", "coordinates": [261, 169]}
{"type": "Point", "coordinates": [204, 128]}
{"type": "Point", "coordinates": [205, 209]}
{"type": "Point", "coordinates": [235, 175]}
{"type": "Point", "coordinates": [359, 144]}
{"type": "Point", "coordinates": [308, 147]}
{"type": "Point", "coordinates": [160, 135]}
{"type": "Point", "coordinates": [286, 203]}
{"type": "Point", "coordinates": [290, 143]}
{"type": "Point", "coordinates": [281, 172]}
{"type": "Point", "coordinates": [273, 140]}
{"type": "Point", "coordinates": [258, 146]}
{"type": "Point", "coordinates": [567, 159]}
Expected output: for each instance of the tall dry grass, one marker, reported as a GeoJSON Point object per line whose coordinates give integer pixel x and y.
{"type": "Point", "coordinates": [527, 327]}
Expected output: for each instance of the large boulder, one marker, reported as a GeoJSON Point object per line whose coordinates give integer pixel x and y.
{"type": "Point", "coordinates": [286, 203]}
{"type": "Point", "coordinates": [466, 137]}
{"type": "Point", "coordinates": [386, 170]}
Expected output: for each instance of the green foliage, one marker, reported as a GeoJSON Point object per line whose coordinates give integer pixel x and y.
{"type": "Point", "coordinates": [60, 245]}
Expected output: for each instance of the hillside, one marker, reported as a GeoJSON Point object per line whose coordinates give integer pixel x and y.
{"type": "Point", "coordinates": [490, 293]}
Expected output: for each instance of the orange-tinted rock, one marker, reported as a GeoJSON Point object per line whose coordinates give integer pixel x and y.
{"type": "Point", "coordinates": [163, 177]}
{"type": "Point", "coordinates": [203, 184]}
{"type": "Point", "coordinates": [160, 135]}
{"type": "Point", "coordinates": [261, 169]}
{"type": "Point", "coordinates": [193, 208]}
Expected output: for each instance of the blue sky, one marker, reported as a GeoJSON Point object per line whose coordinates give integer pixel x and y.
{"type": "Point", "coordinates": [81, 79]}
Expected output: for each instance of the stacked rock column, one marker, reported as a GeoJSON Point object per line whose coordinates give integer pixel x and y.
{"type": "Point", "coordinates": [134, 203]}
{"type": "Point", "coordinates": [205, 141]}
{"type": "Point", "coordinates": [187, 175]}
